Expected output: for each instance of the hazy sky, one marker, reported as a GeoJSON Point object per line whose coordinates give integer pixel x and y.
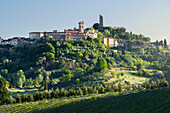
{"type": "Point", "coordinates": [148, 17]}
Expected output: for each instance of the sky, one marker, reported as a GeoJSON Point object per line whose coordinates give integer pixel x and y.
{"type": "Point", "coordinates": [148, 17]}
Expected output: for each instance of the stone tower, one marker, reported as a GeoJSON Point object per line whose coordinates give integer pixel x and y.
{"type": "Point", "coordinates": [81, 27]}
{"type": "Point", "coordinates": [101, 20]}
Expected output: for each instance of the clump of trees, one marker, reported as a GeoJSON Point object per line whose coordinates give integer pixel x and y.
{"type": "Point", "coordinates": [119, 33]}
{"type": "Point", "coordinates": [3, 90]}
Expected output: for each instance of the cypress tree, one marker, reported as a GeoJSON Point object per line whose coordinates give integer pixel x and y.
{"type": "Point", "coordinates": [165, 43]}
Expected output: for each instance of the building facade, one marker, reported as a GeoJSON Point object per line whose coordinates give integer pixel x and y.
{"type": "Point", "coordinates": [35, 35]}
{"type": "Point", "coordinates": [91, 33]}
{"type": "Point", "coordinates": [17, 41]}
{"type": "Point", "coordinates": [66, 35]}
{"type": "Point", "coordinates": [109, 41]}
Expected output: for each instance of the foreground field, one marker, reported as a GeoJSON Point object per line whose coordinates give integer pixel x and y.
{"type": "Point", "coordinates": [148, 101]}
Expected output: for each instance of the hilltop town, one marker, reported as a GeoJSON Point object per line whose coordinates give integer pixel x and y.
{"type": "Point", "coordinates": [107, 56]}
{"type": "Point", "coordinates": [82, 34]}
{"type": "Point", "coordinates": [95, 61]}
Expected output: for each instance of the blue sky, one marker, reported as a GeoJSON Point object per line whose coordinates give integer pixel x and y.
{"type": "Point", "coordinates": [148, 17]}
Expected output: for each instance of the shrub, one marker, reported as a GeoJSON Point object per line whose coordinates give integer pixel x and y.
{"type": "Point", "coordinates": [101, 65]}
{"type": "Point", "coordinates": [18, 98]}
{"type": "Point", "coordinates": [11, 100]}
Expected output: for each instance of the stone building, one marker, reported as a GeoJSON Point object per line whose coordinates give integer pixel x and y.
{"type": "Point", "coordinates": [18, 41]}
{"type": "Point", "coordinates": [101, 20]}
{"type": "Point", "coordinates": [109, 41]}
{"type": "Point", "coordinates": [66, 35]}
{"type": "Point", "coordinates": [91, 33]}
{"type": "Point", "coordinates": [35, 35]}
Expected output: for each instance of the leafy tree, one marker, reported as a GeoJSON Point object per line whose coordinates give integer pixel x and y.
{"type": "Point", "coordinates": [85, 91]}
{"type": "Point", "coordinates": [79, 92]}
{"type": "Point", "coordinates": [90, 39]}
{"type": "Point", "coordinates": [101, 89]}
{"type": "Point", "coordinates": [52, 93]}
{"type": "Point", "coordinates": [79, 55]}
{"type": "Point", "coordinates": [20, 74]}
{"type": "Point", "coordinates": [96, 26]}
{"type": "Point", "coordinates": [68, 45]}
{"type": "Point", "coordinates": [123, 52]}
{"type": "Point", "coordinates": [157, 43]}
{"type": "Point", "coordinates": [147, 85]}
{"type": "Point", "coordinates": [109, 66]}
{"type": "Point", "coordinates": [3, 89]}
{"type": "Point", "coordinates": [139, 66]}
{"type": "Point", "coordinates": [81, 42]}
{"type": "Point", "coordinates": [50, 56]}
{"type": "Point", "coordinates": [127, 36]}
{"type": "Point", "coordinates": [142, 51]}
{"type": "Point", "coordinates": [11, 100]}
{"type": "Point", "coordinates": [30, 98]}
{"type": "Point", "coordinates": [101, 65]}
{"type": "Point", "coordinates": [63, 92]}
{"type": "Point", "coordinates": [50, 39]}
{"type": "Point", "coordinates": [4, 72]}
{"type": "Point", "coordinates": [57, 93]}
{"type": "Point", "coordinates": [48, 47]}
{"type": "Point", "coordinates": [19, 78]}
{"type": "Point", "coordinates": [40, 78]}
{"type": "Point", "coordinates": [147, 39]}
{"type": "Point", "coordinates": [67, 76]}
{"type": "Point", "coordinates": [36, 81]}
{"type": "Point", "coordinates": [99, 34]}
{"type": "Point", "coordinates": [20, 82]}
{"type": "Point", "coordinates": [161, 43]}
{"type": "Point", "coordinates": [18, 98]}
{"type": "Point", "coordinates": [106, 33]}
{"type": "Point", "coordinates": [77, 80]}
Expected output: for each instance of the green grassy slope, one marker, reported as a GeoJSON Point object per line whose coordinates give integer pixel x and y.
{"type": "Point", "coordinates": [148, 101]}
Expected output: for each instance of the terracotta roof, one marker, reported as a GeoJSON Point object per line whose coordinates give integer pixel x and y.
{"type": "Point", "coordinates": [71, 31]}
{"type": "Point", "coordinates": [35, 32]}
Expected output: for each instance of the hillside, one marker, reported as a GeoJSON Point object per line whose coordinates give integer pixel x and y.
{"type": "Point", "coordinates": [71, 67]}
{"type": "Point", "coordinates": [152, 101]}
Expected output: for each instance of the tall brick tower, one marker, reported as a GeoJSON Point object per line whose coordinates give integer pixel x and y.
{"type": "Point", "coordinates": [101, 20]}
{"type": "Point", "coordinates": [81, 27]}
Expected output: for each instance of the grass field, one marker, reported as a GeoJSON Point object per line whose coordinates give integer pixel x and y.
{"type": "Point", "coordinates": [128, 76]}
{"type": "Point", "coordinates": [14, 91]}
{"type": "Point", "coordinates": [147, 101]}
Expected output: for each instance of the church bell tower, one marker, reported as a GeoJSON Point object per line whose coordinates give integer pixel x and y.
{"type": "Point", "coordinates": [81, 27]}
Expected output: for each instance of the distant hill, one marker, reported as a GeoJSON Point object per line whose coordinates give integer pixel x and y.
{"type": "Point", "coordinates": [148, 101]}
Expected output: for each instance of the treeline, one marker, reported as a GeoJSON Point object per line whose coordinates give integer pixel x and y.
{"type": "Point", "coordinates": [162, 43]}
{"type": "Point", "coordinates": [118, 33]}
{"type": "Point", "coordinates": [58, 93]}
